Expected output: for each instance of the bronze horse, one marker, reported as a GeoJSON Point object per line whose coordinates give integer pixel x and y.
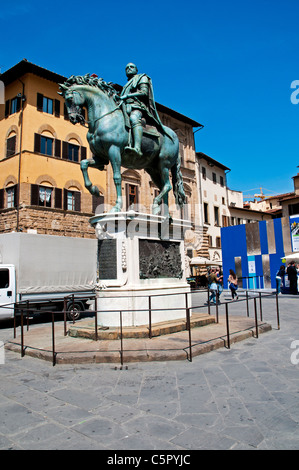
{"type": "Point", "coordinates": [108, 136]}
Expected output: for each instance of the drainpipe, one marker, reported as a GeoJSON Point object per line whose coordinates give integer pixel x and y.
{"type": "Point", "coordinates": [23, 99]}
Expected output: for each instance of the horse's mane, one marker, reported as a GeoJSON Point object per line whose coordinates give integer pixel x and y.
{"type": "Point", "coordinates": [91, 81]}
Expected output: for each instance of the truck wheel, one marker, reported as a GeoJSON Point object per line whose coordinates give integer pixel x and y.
{"type": "Point", "coordinates": [74, 311]}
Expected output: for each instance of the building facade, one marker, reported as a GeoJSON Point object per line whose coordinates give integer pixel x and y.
{"type": "Point", "coordinates": [220, 206]}
{"type": "Point", "coordinates": [279, 205]}
{"type": "Point", "coordinates": [41, 187]}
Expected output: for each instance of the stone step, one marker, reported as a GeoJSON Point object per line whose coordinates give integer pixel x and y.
{"type": "Point", "coordinates": [87, 329]}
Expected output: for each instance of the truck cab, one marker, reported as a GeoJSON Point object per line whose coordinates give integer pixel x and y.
{"type": "Point", "coordinates": [7, 291]}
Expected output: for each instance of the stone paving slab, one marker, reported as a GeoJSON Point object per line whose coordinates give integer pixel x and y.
{"type": "Point", "coordinates": [166, 347]}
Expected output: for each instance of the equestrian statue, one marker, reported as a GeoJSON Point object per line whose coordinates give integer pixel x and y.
{"type": "Point", "coordinates": [125, 130]}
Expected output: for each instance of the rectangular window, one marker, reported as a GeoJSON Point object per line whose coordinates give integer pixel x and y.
{"type": "Point", "coordinates": [13, 105]}
{"type": "Point", "coordinates": [73, 152]}
{"type": "Point", "coordinates": [204, 173]}
{"type": "Point", "coordinates": [4, 278]}
{"type": "Point", "coordinates": [131, 195]}
{"type": "Point", "coordinates": [11, 146]}
{"type": "Point", "coordinates": [45, 196]}
{"type": "Point", "coordinates": [10, 197]}
{"type": "Point", "coordinates": [206, 212]}
{"type": "Point", "coordinates": [224, 221]}
{"type": "Point", "coordinates": [47, 105]}
{"type": "Point", "coordinates": [214, 178]}
{"type": "Point", "coordinates": [46, 145]}
{"type": "Point", "coordinates": [72, 200]}
{"type": "Point", "coordinates": [221, 181]}
{"type": "Point", "coordinates": [216, 216]}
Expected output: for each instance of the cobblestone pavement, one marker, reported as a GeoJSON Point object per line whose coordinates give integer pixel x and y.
{"type": "Point", "coordinates": [245, 397]}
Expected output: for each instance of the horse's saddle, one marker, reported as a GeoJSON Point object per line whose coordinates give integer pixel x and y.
{"type": "Point", "coordinates": [150, 130]}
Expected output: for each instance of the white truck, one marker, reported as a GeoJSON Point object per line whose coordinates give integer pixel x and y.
{"type": "Point", "coordinates": [43, 270]}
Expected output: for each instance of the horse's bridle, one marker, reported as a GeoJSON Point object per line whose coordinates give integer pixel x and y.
{"type": "Point", "coordinates": [95, 120]}
{"type": "Point", "coordinates": [106, 114]}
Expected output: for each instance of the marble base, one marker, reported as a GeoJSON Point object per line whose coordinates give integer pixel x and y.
{"type": "Point", "coordinates": [141, 266]}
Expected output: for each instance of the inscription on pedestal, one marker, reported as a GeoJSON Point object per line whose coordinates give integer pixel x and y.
{"type": "Point", "coordinates": [158, 259]}
{"type": "Point", "coordinates": [107, 264]}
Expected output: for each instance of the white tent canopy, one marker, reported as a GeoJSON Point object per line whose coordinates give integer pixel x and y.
{"type": "Point", "coordinates": [292, 257]}
{"type": "Point", "coordinates": [200, 261]}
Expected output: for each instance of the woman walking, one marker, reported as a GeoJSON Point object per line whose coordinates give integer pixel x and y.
{"type": "Point", "coordinates": [233, 284]}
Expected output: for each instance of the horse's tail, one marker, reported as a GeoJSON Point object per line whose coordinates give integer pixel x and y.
{"type": "Point", "coordinates": [177, 183]}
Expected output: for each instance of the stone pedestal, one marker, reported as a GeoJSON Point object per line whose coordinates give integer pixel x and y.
{"type": "Point", "coordinates": [141, 267]}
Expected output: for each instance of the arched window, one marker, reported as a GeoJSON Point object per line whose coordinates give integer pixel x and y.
{"type": "Point", "coordinates": [132, 182]}
{"type": "Point", "coordinates": [44, 143]}
{"type": "Point", "coordinates": [72, 149]}
{"type": "Point", "coordinates": [46, 194]}
{"type": "Point", "coordinates": [72, 199]}
{"type": "Point", "coordinates": [11, 144]}
{"type": "Point", "coordinates": [11, 195]}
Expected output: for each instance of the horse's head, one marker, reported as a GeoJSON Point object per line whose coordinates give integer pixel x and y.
{"type": "Point", "coordinates": [74, 100]}
{"type": "Point", "coordinates": [76, 90]}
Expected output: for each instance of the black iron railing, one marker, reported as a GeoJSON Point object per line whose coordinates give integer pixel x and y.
{"type": "Point", "coordinates": [23, 312]}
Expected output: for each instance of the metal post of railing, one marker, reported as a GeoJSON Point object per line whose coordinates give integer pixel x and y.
{"type": "Point", "coordinates": [247, 303]}
{"type": "Point", "coordinates": [217, 302]}
{"type": "Point", "coordinates": [189, 332]}
{"type": "Point", "coordinates": [227, 325]}
{"type": "Point", "coordinates": [14, 321]}
{"type": "Point", "coordinates": [149, 316]}
{"type": "Point", "coordinates": [277, 312]}
{"type": "Point", "coordinates": [96, 318]}
{"type": "Point", "coordinates": [27, 314]}
{"type": "Point", "coordinates": [22, 335]}
{"type": "Point", "coordinates": [53, 341]}
{"type": "Point", "coordinates": [121, 339]}
{"type": "Point", "coordinates": [73, 301]}
{"type": "Point", "coordinates": [255, 317]}
{"type": "Point", "coordinates": [186, 307]}
{"type": "Point", "coordinates": [261, 312]}
{"type": "Point", "coordinates": [209, 307]}
{"type": "Point", "coordinates": [64, 315]}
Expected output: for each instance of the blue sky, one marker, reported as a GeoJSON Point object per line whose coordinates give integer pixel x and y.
{"type": "Point", "coordinates": [226, 64]}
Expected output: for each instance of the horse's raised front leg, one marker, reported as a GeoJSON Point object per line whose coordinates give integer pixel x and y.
{"type": "Point", "coordinates": [88, 184]}
{"type": "Point", "coordinates": [115, 160]}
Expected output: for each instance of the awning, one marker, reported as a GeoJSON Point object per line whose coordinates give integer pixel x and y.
{"type": "Point", "coordinates": [292, 257]}
{"type": "Point", "coordinates": [200, 261]}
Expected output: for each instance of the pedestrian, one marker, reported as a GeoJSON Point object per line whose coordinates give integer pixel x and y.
{"type": "Point", "coordinates": [279, 277]}
{"type": "Point", "coordinates": [233, 284]}
{"type": "Point", "coordinates": [292, 276]}
{"type": "Point", "coordinates": [212, 279]}
{"type": "Point", "coordinates": [219, 275]}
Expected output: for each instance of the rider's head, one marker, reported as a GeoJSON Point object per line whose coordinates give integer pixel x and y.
{"type": "Point", "coordinates": [131, 70]}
